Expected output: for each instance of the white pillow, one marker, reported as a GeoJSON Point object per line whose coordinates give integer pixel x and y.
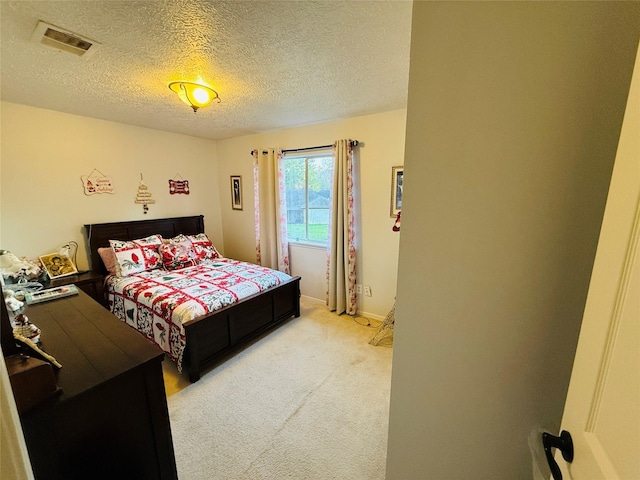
{"type": "Point", "coordinates": [136, 256]}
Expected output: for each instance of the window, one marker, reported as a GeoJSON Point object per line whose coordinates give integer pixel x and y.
{"type": "Point", "coordinates": [308, 183]}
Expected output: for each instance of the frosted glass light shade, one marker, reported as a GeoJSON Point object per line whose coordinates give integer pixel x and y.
{"type": "Point", "coordinates": [193, 94]}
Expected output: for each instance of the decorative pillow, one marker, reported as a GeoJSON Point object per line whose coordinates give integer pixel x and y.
{"type": "Point", "coordinates": [137, 255]}
{"type": "Point", "coordinates": [108, 257]}
{"type": "Point", "coordinates": [203, 247]}
{"type": "Point", "coordinates": [177, 254]}
{"type": "Point", "coordinates": [186, 242]}
{"type": "Point", "coordinates": [178, 239]}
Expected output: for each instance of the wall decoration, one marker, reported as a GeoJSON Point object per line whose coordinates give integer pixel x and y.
{"type": "Point", "coordinates": [96, 182]}
{"type": "Point", "coordinates": [58, 265]}
{"type": "Point", "coordinates": [236, 192]}
{"type": "Point", "coordinates": [144, 195]}
{"type": "Point", "coordinates": [397, 174]}
{"type": "Point", "coordinates": [396, 224]}
{"type": "Point", "coordinates": [178, 185]}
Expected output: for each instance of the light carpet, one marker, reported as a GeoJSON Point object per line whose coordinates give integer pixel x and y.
{"type": "Point", "coordinates": [309, 400]}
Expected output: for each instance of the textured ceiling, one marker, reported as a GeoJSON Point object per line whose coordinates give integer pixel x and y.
{"type": "Point", "coordinates": [275, 64]}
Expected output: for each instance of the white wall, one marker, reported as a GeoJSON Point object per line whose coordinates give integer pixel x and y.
{"type": "Point", "coordinates": [44, 154]}
{"type": "Point", "coordinates": [382, 137]}
{"type": "Point", "coordinates": [308, 262]}
{"type": "Point", "coordinates": [514, 113]}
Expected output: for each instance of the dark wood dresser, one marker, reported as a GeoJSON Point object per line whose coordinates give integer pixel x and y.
{"type": "Point", "coordinates": [111, 420]}
{"type": "Point", "coordinates": [90, 283]}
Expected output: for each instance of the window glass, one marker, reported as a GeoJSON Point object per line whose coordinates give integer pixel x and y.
{"type": "Point", "coordinates": [308, 182]}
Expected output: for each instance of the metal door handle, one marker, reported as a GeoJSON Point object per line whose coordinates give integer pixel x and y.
{"type": "Point", "coordinates": [564, 443]}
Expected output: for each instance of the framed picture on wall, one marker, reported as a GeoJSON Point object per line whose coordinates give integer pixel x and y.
{"type": "Point", "coordinates": [236, 192]}
{"type": "Point", "coordinates": [397, 174]}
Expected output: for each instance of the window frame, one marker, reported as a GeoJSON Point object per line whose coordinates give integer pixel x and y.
{"type": "Point", "coordinates": [301, 155]}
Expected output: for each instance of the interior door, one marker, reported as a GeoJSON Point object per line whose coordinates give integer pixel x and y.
{"type": "Point", "coordinates": [602, 410]}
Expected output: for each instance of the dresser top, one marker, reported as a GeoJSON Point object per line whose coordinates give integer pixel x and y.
{"type": "Point", "coordinates": [92, 345]}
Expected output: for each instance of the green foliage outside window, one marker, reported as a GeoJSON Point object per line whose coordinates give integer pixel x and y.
{"type": "Point", "coordinates": [308, 183]}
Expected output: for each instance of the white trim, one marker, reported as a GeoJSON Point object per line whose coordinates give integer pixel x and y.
{"type": "Point", "coordinates": [314, 246]}
{"type": "Point", "coordinates": [15, 457]}
{"type": "Point", "coordinates": [312, 299]}
{"type": "Point", "coordinates": [615, 320]}
{"type": "Point", "coordinates": [359, 313]}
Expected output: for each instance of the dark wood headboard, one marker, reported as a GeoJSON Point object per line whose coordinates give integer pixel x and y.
{"type": "Point", "coordinates": [99, 234]}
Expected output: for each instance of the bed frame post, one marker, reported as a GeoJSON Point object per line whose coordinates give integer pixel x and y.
{"type": "Point", "coordinates": [193, 363]}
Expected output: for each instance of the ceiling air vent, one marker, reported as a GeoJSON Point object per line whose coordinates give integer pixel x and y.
{"type": "Point", "coordinates": [63, 40]}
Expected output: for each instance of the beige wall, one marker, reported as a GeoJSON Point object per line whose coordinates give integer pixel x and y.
{"type": "Point", "coordinates": [42, 204]}
{"type": "Point", "coordinates": [514, 114]}
{"type": "Point", "coordinates": [44, 154]}
{"type": "Point", "coordinates": [382, 137]}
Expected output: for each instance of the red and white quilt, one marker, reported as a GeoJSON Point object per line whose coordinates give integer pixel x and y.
{"type": "Point", "coordinates": [158, 302]}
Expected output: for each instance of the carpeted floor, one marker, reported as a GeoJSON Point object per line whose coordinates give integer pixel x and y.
{"type": "Point", "coordinates": [308, 401]}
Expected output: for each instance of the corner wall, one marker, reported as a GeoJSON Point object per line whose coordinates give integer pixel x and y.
{"type": "Point", "coordinates": [382, 138]}
{"type": "Point", "coordinates": [514, 114]}
{"type": "Point", "coordinates": [44, 154]}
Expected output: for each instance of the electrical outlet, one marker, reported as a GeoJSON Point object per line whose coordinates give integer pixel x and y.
{"type": "Point", "coordinates": [367, 290]}
{"type": "Point", "coordinates": [359, 288]}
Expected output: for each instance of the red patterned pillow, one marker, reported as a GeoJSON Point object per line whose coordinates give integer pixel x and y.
{"type": "Point", "coordinates": [177, 255]}
{"type": "Point", "coordinates": [137, 255]}
{"type": "Point", "coordinates": [203, 247]}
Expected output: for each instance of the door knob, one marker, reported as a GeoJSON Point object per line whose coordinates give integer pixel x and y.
{"type": "Point", "coordinates": [564, 443]}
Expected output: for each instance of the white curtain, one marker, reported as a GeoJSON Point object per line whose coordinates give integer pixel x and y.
{"type": "Point", "coordinates": [341, 255]}
{"type": "Point", "coordinates": [272, 247]}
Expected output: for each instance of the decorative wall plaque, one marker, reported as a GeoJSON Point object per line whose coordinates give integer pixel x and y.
{"type": "Point", "coordinates": [96, 182]}
{"type": "Point", "coordinates": [178, 185]}
{"type": "Point", "coordinates": [143, 196]}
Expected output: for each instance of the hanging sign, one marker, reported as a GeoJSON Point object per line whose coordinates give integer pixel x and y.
{"type": "Point", "coordinates": [144, 195]}
{"type": "Point", "coordinates": [96, 182]}
{"type": "Point", "coordinates": [178, 185]}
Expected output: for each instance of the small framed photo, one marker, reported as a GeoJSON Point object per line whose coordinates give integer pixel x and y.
{"type": "Point", "coordinates": [236, 192]}
{"type": "Point", "coordinates": [58, 265]}
{"type": "Point", "coordinates": [397, 174]}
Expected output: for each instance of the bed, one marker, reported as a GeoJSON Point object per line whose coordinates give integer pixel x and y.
{"type": "Point", "coordinates": [209, 338]}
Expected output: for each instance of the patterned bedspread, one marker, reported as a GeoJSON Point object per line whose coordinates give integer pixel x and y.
{"type": "Point", "coordinates": [158, 302]}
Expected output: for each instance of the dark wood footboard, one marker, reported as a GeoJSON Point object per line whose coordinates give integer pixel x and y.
{"type": "Point", "coordinates": [212, 338]}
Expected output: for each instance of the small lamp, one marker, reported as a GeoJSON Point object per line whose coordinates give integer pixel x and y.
{"type": "Point", "coordinates": [195, 95]}
{"type": "Point", "coordinates": [67, 250]}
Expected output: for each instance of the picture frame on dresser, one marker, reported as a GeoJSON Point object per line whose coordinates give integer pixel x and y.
{"type": "Point", "coordinates": [58, 265]}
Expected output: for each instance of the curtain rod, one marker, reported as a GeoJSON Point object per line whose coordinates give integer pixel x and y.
{"type": "Point", "coordinates": [354, 143]}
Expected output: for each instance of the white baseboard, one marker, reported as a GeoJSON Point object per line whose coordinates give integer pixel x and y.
{"type": "Point", "coordinates": [312, 299]}
{"type": "Point", "coordinates": [359, 313]}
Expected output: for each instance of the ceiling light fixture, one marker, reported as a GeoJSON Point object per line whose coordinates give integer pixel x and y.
{"type": "Point", "coordinates": [195, 95]}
